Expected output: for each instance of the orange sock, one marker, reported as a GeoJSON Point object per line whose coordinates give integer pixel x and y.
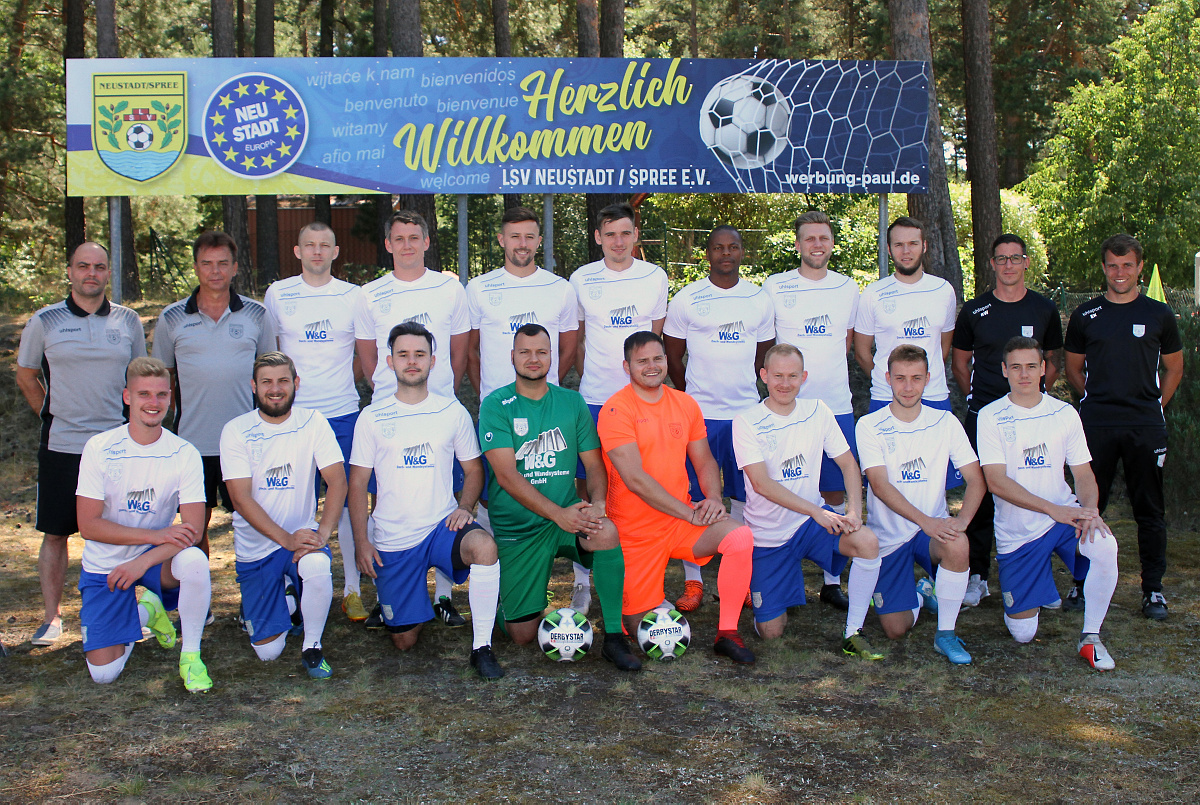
{"type": "Point", "coordinates": [733, 579]}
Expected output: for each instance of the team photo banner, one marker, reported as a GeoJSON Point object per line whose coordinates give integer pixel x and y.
{"type": "Point", "coordinates": [343, 126]}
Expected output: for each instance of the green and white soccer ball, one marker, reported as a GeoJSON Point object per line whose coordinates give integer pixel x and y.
{"type": "Point", "coordinates": [664, 634]}
{"type": "Point", "coordinates": [565, 635]}
{"type": "Point", "coordinates": [744, 121]}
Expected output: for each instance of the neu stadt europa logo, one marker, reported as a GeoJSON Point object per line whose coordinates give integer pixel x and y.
{"type": "Point", "coordinates": [139, 123]}
{"type": "Point", "coordinates": [255, 125]}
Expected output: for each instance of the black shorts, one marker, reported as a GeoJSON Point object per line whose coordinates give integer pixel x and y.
{"type": "Point", "coordinates": [215, 492]}
{"type": "Point", "coordinates": [58, 475]}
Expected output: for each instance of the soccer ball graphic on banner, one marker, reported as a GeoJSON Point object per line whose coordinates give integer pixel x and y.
{"type": "Point", "coordinates": [140, 136]}
{"type": "Point", "coordinates": [744, 121]}
{"type": "Point", "coordinates": [664, 634]}
{"type": "Point", "coordinates": [565, 635]}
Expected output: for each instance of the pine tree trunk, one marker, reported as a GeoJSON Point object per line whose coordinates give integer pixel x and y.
{"type": "Point", "coordinates": [233, 208]}
{"type": "Point", "coordinates": [267, 207]}
{"type": "Point", "coordinates": [74, 225]}
{"type": "Point", "coordinates": [982, 150]}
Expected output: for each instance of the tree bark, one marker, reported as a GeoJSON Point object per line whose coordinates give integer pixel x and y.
{"type": "Point", "coordinates": [266, 207]}
{"type": "Point", "coordinates": [612, 29]}
{"type": "Point", "coordinates": [131, 280]}
{"type": "Point", "coordinates": [74, 225]}
{"type": "Point", "coordinates": [693, 31]}
{"type": "Point", "coordinates": [233, 208]}
{"type": "Point", "coordinates": [383, 203]}
{"type": "Point", "coordinates": [503, 38]}
{"type": "Point", "coordinates": [379, 28]}
{"type": "Point", "coordinates": [910, 42]}
{"type": "Point", "coordinates": [982, 148]}
{"type": "Point", "coordinates": [609, 41]}
{"type": "Point", "coordinates": [588, 28]}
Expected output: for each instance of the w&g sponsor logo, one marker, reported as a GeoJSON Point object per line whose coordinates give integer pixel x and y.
{"type": "Point", "coordinates": [318, 331]}
{"type": "Point", "coordinates": [141, 501]}
{"type": "Point", "coordinates": [419, 455]}
{"type": "Point", "coordinates": [913, 471]}
{"type": "Point", "coordinates": [1035, 456]}
{"type": "Point", "coordinates": [278, 477]}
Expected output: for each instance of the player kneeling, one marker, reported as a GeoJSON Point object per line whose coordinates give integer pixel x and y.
{"type": "Point", "coordinates": [1025, 438]}
{"type": "Point", "coordinates": [269, 458]}
{"type": "Point", "coordinates": [779, 444]}
{"type": "Point", "coordinates": [410, 440]}
{"type": "Point", "coordinates": [132, 480]}
{"type": "Point", "coordinates": [905, 449]}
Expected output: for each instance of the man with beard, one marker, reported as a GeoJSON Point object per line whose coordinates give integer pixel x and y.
{"type": "Point", "coordinates": [534, 432]}
{"type": "Point", "coordinates": [80, 347]}
{"type": "Point", "coordinates": [411, 439]}
{"type": "Point", "coordinates": [132, 481]}
{"type": "Point", "coordinates": [269, 458]}
{"type": "Point", "coordinates": [725, 325]}
{"type": "Point", "coordinates": [815, 310]}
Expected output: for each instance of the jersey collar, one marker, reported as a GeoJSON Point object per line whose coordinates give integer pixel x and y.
{"type": "Point", "coordinates": [103, 310]}
{"type": "Point", "coordinates": [235, 302]}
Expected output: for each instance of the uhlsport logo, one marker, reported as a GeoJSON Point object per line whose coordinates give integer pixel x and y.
{"type": "Point", "coordinates": [141, 501]}
{"type": "Point", "coordinates": [318, 330]}
{"type": "Point", "coordinates": [730, 333]}
{"type": "Point", "coordinates": [255, 125]}
{"type": "Point", "coordinates": [817, 325]}
{"type": "Point", "coordinates": [278, 477]}
{"type": "Point", "coordinates": [140, 122]}
{"type": "Point", "coordinates": [913, 470]}
{"type": "Point", "coordinates": [916, 328]}
{"type": "Point", "coordinates": [542, 453]}
{"type": "Point", "coordinates": [1035, 456]}
{"type": "Point", "coordinates": [520, 320]}
{"type": "Point", "coordinates": [419, 455]}
{"type": "Point", "coordinates": [792, 468]}
{"type": "Point", "coordinates": [622, 316]}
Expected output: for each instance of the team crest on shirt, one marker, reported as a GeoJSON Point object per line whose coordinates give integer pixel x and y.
{"type": "Point", "coordinates": [1027, 330]}
{"type": "Point", "coordinates": [771, 441]}
{"type": "Point", "coordinates": [889, 441]}
{"type": "Point", "coordinates": [1009, 433]}
{"type": "Point", "coordinates": [676, 430]}
{"type": "Point", "coordinates": [289, 307]}
{"type": "Point", "coordinates": [1139, 330]}
{"type": "Point", "coordinates": [256, 451]}
{"type": "Point", "coordinates": [889, 306]}
{"type": "Point", "coordinates": [789, 301]}
{"type": "Point", "coordinates": [113, 336]}
{"type": "Point", "coordinates": [704, 309]}
{"type": "Point", "coordinates": [236, 330]}
{"type": "Point", "coordinates": [520, 425]}
{"type": "Point", "coordinates": [387, 429]}
{"type": "Point", "coordinates": [385, 307]}
{"type": "Point", "coordinates": [596, 291]}
{"type": "Point", "coordinates": [495, 298]}
{"type": "Point", "coordinates": [114, 470]}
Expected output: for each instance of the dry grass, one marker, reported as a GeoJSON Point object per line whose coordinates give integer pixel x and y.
{"type": "Point", "coordinates": [1025, 723]}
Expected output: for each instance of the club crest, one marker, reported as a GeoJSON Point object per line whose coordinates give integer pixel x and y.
{"type": "Point", "coordinates": [889, 306]}
{"type": "Point", "coordinates": [495, 298]}
{"type": "Point", "coordinates": [704, 309]}
{"type": "Point", "coordinates": [139, 123]}
{"type": "Point", "coordinates": [1027, 330]}
{"type": "Point", "coordinates": [595, 292]}
{"type": "Point", "coordinates": [520, 425]}
{"type": "Point", "coordinates": [289, 307]}
{"type": "Point", "coordinates": [236, 330]}
{"type": "Point", "coordinates": [388, 429]}
{"type": "Point", "coordinates": [789, 301]}
{"type": "Point", "coordinates": [676, 430]}
{"type": "Point", "coordinates": [112, 336]}
{"type": "Point", "coordinates": [256, 452]}
{"type": "Point", "coordinates": [114, 470]}
{"type": "Point", "coordinates": [1139, 330]}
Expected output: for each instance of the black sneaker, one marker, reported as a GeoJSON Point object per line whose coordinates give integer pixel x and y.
{"type": "Point", "coordinates": [1154, 606]}
{"type": "Point", "coordinates": [733, 648]}
{"type": "Point", "coordinates": [1074, 600]}
{"type": "Point", "coordinates": [485, 663]}
{"type": "Point", "coordinates": [314, 662]}
{"type": "Point", "coordinates": [445, 610]}
{"type": "Point", "coordinates": [832, 594]}
{"type": "Point", "coordinates": [616, 650]}
{"type": "Point", "coordinates": [375, 619]}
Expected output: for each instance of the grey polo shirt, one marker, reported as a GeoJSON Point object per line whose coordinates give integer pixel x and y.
{"type": "Point", "coordinates": [83, 358]}
{"type": "Point", "coordinates": [214, 361]}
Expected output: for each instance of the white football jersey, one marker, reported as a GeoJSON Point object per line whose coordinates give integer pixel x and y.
{"type": "Point", "coordinates": [899, 313]}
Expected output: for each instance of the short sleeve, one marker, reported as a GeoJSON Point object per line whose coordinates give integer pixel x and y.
{"type": "Point", "coordinates": [766, 321]}
{"type": "Point", "coordinates": [987, 437]}
{"type": "Point", "coordinates": [33, 344]}
{"type": "Point", "coordinates": [327, 451]}
{"type": "Point", "coordinates": [696, 428]}
{"type": "Point", "coordinates": [659, 310]}
{"type": "Point", "coordinates": [1170, 342]}
{"type": "Point", "coordinates": [466, 446]}
{"type": "Point", "coordinates": [364, 322]}
{"type": "Point", "coordinates": [961, 453]}
{"type": "Point", "coordinates": [1076, 338]}
{"type": "Point", "coordinates": [585, 426]}
{"type": "Point", "coordinates": [870, 452]}
{"type": "Point", "coordinates": [91, 472]}
{"type": "Point", "coordinates": [864, 318]}
{"type": "Point", "coordinates": [1076, 447]}
{"type": "Point", "coordinates": [494, 430]}
{"type": "Point", "coordinates": [964, 333]}
{"type": "Point", "coordinates": [580, 313]}
{"type": "Point", "coordinates": [362, 454]}
{"type": "Point", "coordinates": [676, 325]}
{"type": "Point", "coordinates": [568, 313]}
{"type": "Point", "coordinates": [474, 314]}
{"type": "Point", "coordinates": [460, 319]}
{"type": "Point", "coordinates": [164, 340]}
{"type": "Point", "coordinates": [191, 476]}
{"type": "Point", "coordinates": [835, 441]}
{"type": "Point", "coordinates": [951, 304]}
{"type": "Point", "coordinates": [615, 425]}
{"type": "Point", "coordinates": [1054, 333]}
{"type": "Point", "coordinates": [855, 302]}
{"type": "Point", "coordinates": [137, 335]}
{"type": "Point", "coordinates": [235, 458]}
{"type": "Point", "coordinates": [746, 449]}
{"type": "Point", "coordinates": [266, 334]}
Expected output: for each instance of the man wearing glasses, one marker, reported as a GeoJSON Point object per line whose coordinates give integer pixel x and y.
{"type": "Point", "coordinates": [983, 328]}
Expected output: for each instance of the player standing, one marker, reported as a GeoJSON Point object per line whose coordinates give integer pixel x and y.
{"type": "Point", "coordinates": [815, 309]}
{"type": "Point", "coordinates": [905, 450]}
{"type": "Point", "coordinates": [270, 459]}
{"type": "Point", "coordinates": [985, 324]}
{"type": "Point", "coordinates": [132, 481]}
{"type": "Point", "coordinates": [412, 292]}
{"type": "Point", "coordinates": [81, 347]}
{"type": "Point", "coordinates": [533, 433]}
{"type": "Point", "coordinates": [648, 432]}
{"type": "Point", "coordinates": [1025, 438]}
{"type": "Point", "coordinates": [411, 440]}
{"type": "Point", "coordinates": [780, 444]}
{"type": "Point", "coordinates": [725, 324]}
{"type": "Point", "coordinates": [314, 315]}
{"type": "Point", "coordinates": [618, 295]}
{"type": "Point", "coordinates": [1115, 346]}
{"type": "Point", "coordinates": [210, 341]}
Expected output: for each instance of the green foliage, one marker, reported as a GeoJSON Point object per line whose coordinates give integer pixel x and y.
{"type": "Point", "coordinates": [1183, 422]}
{"type": "Point", "coordinates": [1018, 216]}
{"type": "Point", "coordinates": [1126, 157]}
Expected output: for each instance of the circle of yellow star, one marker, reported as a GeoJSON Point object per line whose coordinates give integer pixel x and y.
{"type": "Point", "coordinates": [261, 87]}
{"type": "Point", "coordinates": [226, 101]}
{"type": "Point", "coordinates": [268, 161]}
{"type": "Point", "coordinates": [248, 162]}
{"type": "Point", "coordinates": [219, 138]}
{"type": "Point", "coordinates": [242, 89]}
{"type": "Point", "coordinates": [230, 155]}
{"type": "Point", "coordinates": [293, 132]}
{"type": "Point", "coordinates": [285, 150]}
{"type": "Point", "coordinates": [217, 119]}
{"type": "Point", "coordinates": [291, 112]}
{"type": "Point", "coordinates": [279, 97]}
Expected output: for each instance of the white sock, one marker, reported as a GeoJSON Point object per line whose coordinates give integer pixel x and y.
{"type": "Point", "coordinates": [316, 598]}
{"type": "Point", "coordinates": [190, 566]}
{"type": "Point", "coordinates": [735, 509]}
{"type": "Point", "coordinates": [864, 575]}
{"type": "Point", "coordinates": [104, 674]}
{"type": "Point", "coordinates": [349, 566]}
{"type": "Point", "coordinates": [483, 595]}
{"type": "Point", "coordinates": [292, 604]}
{"type": "Point", "coordinates": [691, 572]}
{"type": "Point", "coordinates": [442, 585]}
{"type": "Point", "coordinates": [840, 508]}
{"type": "Point", "coordinates": [271, 651]}
{"type": "Point", "coordinates": [950, 587]}
{"type": "Point", "coordinates": [582, 574]}
{"type": "Point", "coordinates": [916, 613]}
{"type": "Point", "coordinates": [1022, 629]}
{"type": "Point", "coordinates": [1100, 582]}
{"type": "Point", "coordinates": [832, 579]}
{"type": "Point", "coordinates": [483, 518]}
{"type": "Point", "coordinates": [144, 614]}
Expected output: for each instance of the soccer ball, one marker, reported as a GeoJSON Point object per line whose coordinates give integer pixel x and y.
{"type": "Point", "coordinates": [565, 635]}
{"type": "Point", "coordinates": [664, 634]}
{"type": "Point", "coordinates": [140, 136]}
{"type": "Point", "coordinates": [744, 121]}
